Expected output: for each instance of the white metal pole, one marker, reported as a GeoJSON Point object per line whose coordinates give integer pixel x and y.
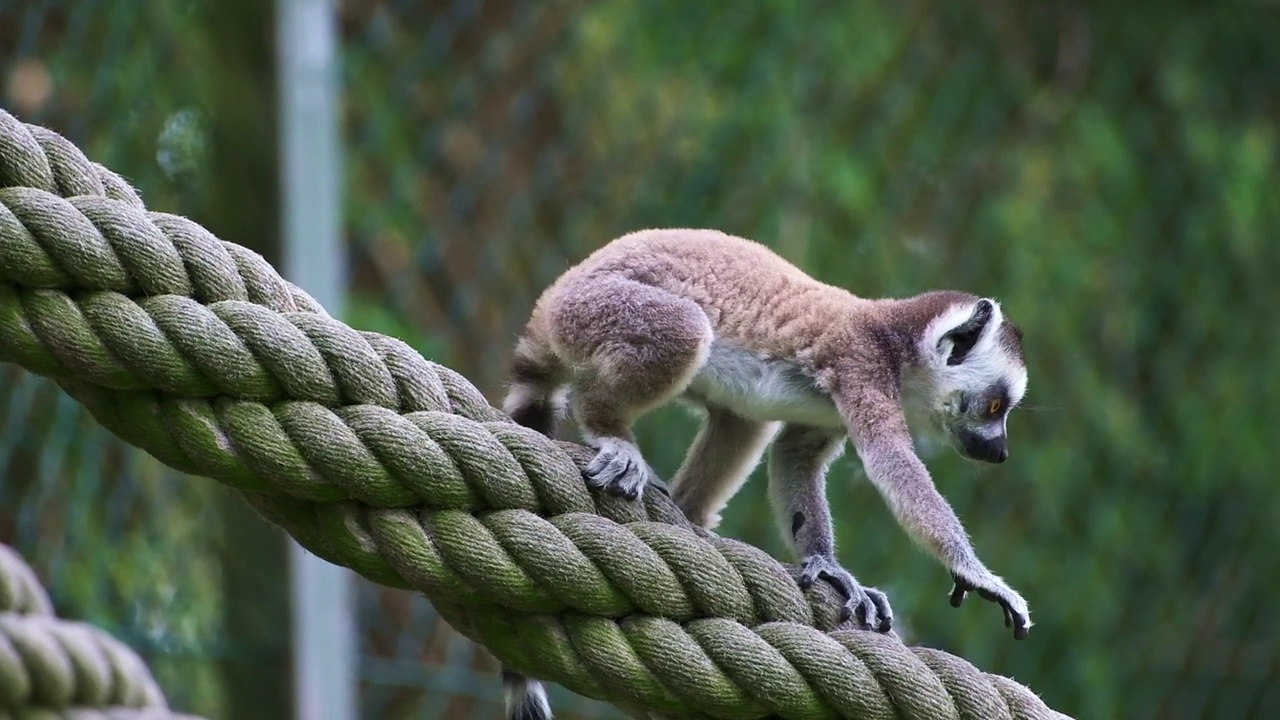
{"type": "Point", "coordinates": [323, 602]}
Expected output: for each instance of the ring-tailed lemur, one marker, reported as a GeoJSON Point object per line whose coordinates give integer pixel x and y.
{"type": "Point", "coordinates": [770, 354]}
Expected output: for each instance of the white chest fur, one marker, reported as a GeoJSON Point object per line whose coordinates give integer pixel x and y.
{"type": "Point", "coordinates": [760, 388]}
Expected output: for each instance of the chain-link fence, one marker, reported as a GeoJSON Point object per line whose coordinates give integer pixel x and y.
{"type": "Point", "coordinates": [120, 540]}
{"type": "Point", "coordinates": [1108, 172]}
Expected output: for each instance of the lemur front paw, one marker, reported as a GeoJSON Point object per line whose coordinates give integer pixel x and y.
{"type": "Point", "coordinates": [617, 467]}
{"type": "Point", "coordinates": [1016, 613]}
{"type": "Point", "coordinates": [868, 605]}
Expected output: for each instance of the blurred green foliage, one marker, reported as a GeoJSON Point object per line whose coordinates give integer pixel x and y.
{"type": "Point", "coordinates": [1107, 171]}
{"type": "Point", "coordinates": [119, 540]}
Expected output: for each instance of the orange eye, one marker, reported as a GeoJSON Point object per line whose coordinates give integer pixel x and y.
{"type": "Point", "coordinates": [994, 406]}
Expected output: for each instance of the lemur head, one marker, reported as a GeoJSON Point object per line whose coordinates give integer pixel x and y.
{"type": "Point", "coordinates": [975, 374]}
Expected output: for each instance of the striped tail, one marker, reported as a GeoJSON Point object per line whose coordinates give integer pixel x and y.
{"type": "Point", "coordinates": [537, 376]}
{"type": "Point", "coordinates": [526, 698]}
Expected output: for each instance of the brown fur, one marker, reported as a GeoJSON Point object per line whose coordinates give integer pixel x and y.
{"type": "Point", "coordinates": [641, 289]}
{"type": "Point", "coordinates": [745, 291]}
{"type": "Point", "coordinates": [654, 315]}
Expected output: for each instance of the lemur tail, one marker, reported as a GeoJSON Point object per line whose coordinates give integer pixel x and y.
{"type": "Point", "coordinates": [536, 377]}
{"type": "Point", "coordinates": [526, 699]}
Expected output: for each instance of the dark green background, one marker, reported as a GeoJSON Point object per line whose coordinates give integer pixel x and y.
{"type": "Point", "coordinates": [1109, 172]}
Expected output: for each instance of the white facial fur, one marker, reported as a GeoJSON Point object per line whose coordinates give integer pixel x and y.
{"type": "Point", "coordinates": [987, 364]}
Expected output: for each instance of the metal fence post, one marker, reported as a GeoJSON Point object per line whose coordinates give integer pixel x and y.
{"type": "Point", "coordinates": [324, 637]}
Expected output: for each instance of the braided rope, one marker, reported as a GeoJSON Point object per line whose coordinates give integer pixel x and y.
{"type": "Point", "coordinates": [51, 667]}
{"type": "Point", "coordinates": [20, 589]}
{"type": "Point", "coordinates": [376, 459]}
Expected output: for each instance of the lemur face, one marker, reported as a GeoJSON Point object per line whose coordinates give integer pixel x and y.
{"type": "Point", "coordinates": [978, 376]}
{"type": "Point", "coordinates": [977, 422]}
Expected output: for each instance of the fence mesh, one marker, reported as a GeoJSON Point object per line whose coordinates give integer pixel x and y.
{"type": "Point", "coordinates": [120, 540]}
{"type": "Point", "coordinates": [1107, 171]}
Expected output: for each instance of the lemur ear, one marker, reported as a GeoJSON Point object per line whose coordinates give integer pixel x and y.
{"type": "Point", "coordinates": [965, 335]}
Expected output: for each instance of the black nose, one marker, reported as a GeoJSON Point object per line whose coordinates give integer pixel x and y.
{"type": "Point", "coordinates": [992, 450]}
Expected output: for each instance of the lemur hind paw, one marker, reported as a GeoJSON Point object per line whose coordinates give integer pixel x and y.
{"type": "Point", "coordinates": [1016, 613]}
{"type": "Point", "coordinates": [867, 605]}
{"type": "Point", "coordinates": [618, 468]}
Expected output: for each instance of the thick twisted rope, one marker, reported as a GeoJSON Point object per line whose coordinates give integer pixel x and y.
{"type": "Point", "coordinates": [56, 668]}
{"type": "Point", "coordinates": [196, 350]}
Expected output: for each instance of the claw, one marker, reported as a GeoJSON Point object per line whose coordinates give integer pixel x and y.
{"type": "Point", "coordinates": [882, 609]}
{"type": "Point", "coordinates": [618, 469]}
{"type": "Point", "coordinates": [1012, 619]}
{"type": "Point", "coordinates": [867, 606]}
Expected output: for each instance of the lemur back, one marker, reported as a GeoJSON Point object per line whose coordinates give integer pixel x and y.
{"type": "Point", "coordinates": [725, 318]}
{"type": "Point", "coordinates": [750, 295]}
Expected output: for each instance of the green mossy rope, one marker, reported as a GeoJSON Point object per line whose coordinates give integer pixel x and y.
{"type": "Point", "coordinates": [377, 459]}
{"type": "Point", "coordinates": [52, 668]}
